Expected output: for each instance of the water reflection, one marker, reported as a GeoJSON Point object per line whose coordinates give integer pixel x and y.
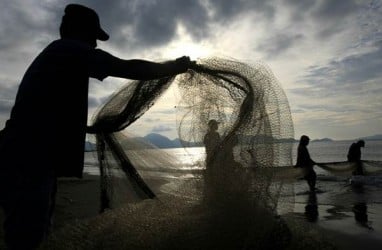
{"type": "Point", "coordinates": [360, 207]}
{"type": "Point", "coordinates": [311, 208]}
{"type": "Point", "coordinates": [360, 214]}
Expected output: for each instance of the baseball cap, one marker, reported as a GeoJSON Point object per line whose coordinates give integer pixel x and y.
{"type": "Point", "coordinates": [82, 17]}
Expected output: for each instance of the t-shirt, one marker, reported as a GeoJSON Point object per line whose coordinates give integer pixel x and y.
{"type": "Point", "coordinates": [47, 126]}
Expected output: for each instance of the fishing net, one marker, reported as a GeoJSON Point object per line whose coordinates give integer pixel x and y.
{"type": "Point", "coordinates": [346, 168]}
{"type": "Point", "coordinates": [232, 199]}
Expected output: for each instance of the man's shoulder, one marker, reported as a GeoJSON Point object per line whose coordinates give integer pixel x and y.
{"type": "Point", "coordinates": [68, 45]}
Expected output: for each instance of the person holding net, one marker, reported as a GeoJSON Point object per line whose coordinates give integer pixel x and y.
{"type": "Point", "coordinates": [354, 156]}
{"type": "Point", "coordinates": [44, 137]}
{"type": "Point", "coordinates": [304, 161]}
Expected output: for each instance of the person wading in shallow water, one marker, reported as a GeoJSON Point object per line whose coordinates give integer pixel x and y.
{"type": "Point", "coordinates": [354, 155]}
{"type": "Point", "coordinates": [44, 137]}
{"type": "Point", "coordinates": [211, 140]}
{"type": "Point", "coordinates": [304, 161]}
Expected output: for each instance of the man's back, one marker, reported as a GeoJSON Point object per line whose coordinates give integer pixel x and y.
{"type": "Point", "coordinates": [354, 153]}
{"type": "Point", "coordinates": [303, 157]}
{"type": "Point", "coordinates": [50, 112]}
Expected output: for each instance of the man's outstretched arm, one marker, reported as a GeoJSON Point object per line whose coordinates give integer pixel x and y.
{"type": "Point", "coordinates": [137, 69]}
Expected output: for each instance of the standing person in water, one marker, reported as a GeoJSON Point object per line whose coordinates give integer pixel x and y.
{"type": "Point", "coordinates": [304, 161]}
{"type": "Point", "coordinates": [211, 140]}
{"type": "Point", "coordinates": [354, 155]}
{"type": "Point", "coordinates": [44, 137]}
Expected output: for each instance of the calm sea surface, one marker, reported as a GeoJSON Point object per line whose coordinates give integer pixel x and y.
{"type": "Point", "coordinates": [334, 151]}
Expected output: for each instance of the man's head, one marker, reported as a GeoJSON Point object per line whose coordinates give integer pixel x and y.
{"type": "Point", "coordinates": [82, 23]}
{"type": "Point", "coordinates": [304, 140]}
{"type": "Point", "coordinates": [361, 143]}
{"type": "Point", "coordinates": [213, 124]}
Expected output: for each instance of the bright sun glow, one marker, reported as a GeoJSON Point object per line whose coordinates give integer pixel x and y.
{"type": "Point", "coordinates": [194, 51]}
{"type": "Point", "coordinates": [185, 45]}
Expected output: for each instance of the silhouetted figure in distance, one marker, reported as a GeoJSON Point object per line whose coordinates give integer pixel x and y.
{"type": "Point", "coordinates": [211, 140]}
{"type": "Point", "coordinates": [354, 155]}
{"type": "Point", "coordinates": [304, 161]}
{"type": "Point", "coordinates": [44, 137]}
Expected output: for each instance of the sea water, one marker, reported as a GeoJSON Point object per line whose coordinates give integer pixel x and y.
{"type": "Point", "coordinates": [321, 152]}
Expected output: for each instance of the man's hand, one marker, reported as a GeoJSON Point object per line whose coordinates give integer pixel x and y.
{"type": "Point", "coordinates": [183, 63]}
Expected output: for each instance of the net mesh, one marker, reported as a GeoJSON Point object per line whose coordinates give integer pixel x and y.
{"type": "Point", "coordinates": [232, 198]}
{"type": "Point", "coordinates": [247, 101]}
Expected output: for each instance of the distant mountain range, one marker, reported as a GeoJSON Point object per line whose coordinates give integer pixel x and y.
{"type": "Point", "coordinates": [161, 141]}
{"type": "Point", "coordinates": [321, 140]}
{"type": "Point", "coordinates": [372, 138]}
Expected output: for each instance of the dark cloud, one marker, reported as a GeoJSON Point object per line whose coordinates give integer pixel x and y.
{"type": "Point", "coordinates": [155, 23]}
{"type": "Point", "coordinates": [279, 43]}
{"type": "Point", "coordinates": [330, 17]}
{"type": "Point", "coordinates": [348, 74]}
{"type": "Point", "coordinates": [300, 9]}
{"type": "Point", "coordinates": [343, 86]}
{"type": "Point", "coordinates": [336, 10]}
{"type": "Point", "coordinates": [334, 16]}
{"type": "Point", "coordinates": [144, 24]}
{"type": "Point", "coordinates": [228, 9]}
{"type": "Point", "coordinates": [7, 96]}
{"type": "Point", "coordinates": [93, 102]}
{"type": "Point", "coordinates": [8, 91]}
{"type": "Point", "coordinates": [5, 107]}
{"type": "Point", "coordinates": [21, 23]}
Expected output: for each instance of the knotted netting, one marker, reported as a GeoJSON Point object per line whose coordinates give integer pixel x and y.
{"type": "Point", "coordinates": [233, 197]}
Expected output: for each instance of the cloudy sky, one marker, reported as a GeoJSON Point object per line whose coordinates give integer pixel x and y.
{"type": "Point", "coordinates": [326, 54]}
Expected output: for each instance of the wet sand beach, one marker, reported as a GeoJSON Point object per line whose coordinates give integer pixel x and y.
{"type": "Point", "coordinates": [338, 224]}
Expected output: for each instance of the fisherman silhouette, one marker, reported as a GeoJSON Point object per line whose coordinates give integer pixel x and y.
{"type": "Point", "coordinates": [304, 161]}
{"type": "Point", "coordinates": [44, 137]}
{"type": "Point", "coordinates": [354, 155]}
{"type": "Point", "coordinates": [211, 140]}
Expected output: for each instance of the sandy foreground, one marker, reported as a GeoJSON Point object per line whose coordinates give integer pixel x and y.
{"type": "Point", "coordinates": [78, 200]}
